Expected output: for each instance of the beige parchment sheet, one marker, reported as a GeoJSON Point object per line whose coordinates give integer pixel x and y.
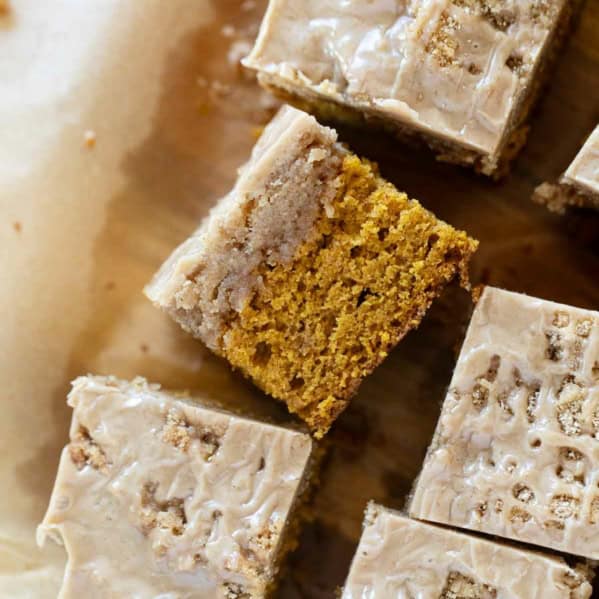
{"type": "Point", "coordinates": [84, 222]}
{"type": "Point", "coordinates": [65, 68]}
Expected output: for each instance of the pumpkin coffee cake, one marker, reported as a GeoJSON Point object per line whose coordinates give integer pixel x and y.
{"type": "Point", "coordinates": [579, 185]}
{"type": "Point", "coordinates": [403, 558]}
{"type": "Point", "coordinates": [159, 496]}
{"type": "Point", "coordinates": [516, 451]}
{"type": "Point", "coordinates": [309, 272]}
{"type": "Point", "coordinates": [460, 75]}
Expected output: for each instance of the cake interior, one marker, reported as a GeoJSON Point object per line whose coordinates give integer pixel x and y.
{"type": "Point", "coordinates": [322, 322]}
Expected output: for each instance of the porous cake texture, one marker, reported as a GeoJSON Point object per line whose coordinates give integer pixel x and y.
{"type": "Point", "coordinates": [516, 450]}
{"type": "Point", "coordinates": [404, 558]}
{"type": "Point", "coordinates": [460, 74]}
{"type": "Point", "coordinates": [579, 185]}
{"type": "Point", "coordinates": [310, 270]}
{"type": "Point", "coordinates": [157, 496]}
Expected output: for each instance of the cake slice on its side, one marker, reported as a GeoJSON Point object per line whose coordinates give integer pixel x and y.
{"type": "Point", "coordinates": [400, 557]}
{"type": "Point", "coordinates": [460, 75]}
{"type": "Point", "coordinates": [309, 272]}
{"type": "Point", "coordinates": [579, 185]}
{"type": "Point", "coordinates": [515, 452]}
{"type": "Point", "coordinates": [158, 495]}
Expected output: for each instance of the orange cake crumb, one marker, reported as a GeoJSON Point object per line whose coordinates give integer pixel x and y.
{"type": "Point", "coordinates": [325, 321]}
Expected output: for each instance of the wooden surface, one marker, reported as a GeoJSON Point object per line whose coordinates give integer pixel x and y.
{"type": "Point", "coordinates": [200, 134]}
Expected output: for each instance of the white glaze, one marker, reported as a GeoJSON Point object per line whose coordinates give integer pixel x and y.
{"type": "Point", "coordinates": [399, 558]}
{"type": "Point", "coordinates": [498, 462]}
{"type": "Point", "coordinates": [236, 498]}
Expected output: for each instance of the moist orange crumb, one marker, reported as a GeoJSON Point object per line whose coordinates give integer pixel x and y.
{"type": "Point", "coordinates": [322, 323]}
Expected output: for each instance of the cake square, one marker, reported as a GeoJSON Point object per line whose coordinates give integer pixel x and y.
{"type": "Point", "coordinates": [516, 450]}
{"type": "Point", "coordinates": [309, 272]}
{"type": "Point", "coordinates": [400, 557]}
{"type": "Point", "coordinates": [462, 75]}
{"type": "Point", "coordinates": [583, 173]}
{"type": "Point", "coordinates": [157, 496]}
{"type": "Point", "coordinates": [579, 185]}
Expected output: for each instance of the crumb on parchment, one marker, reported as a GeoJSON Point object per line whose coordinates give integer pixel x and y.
{"type": "Point", "coordinates": [89, 136]}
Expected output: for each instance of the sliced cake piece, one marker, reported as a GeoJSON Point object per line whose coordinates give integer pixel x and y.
{"type": "Point", "coordinates": [579, 185]}
{"type": "Point", "coordinates": [516, 451]}
{"type": "Point", "coordinates": [309, 272]}
{"type": "Point", "coordinates": [157, 496]}
{"type": "Point", "coordinates": [404, 558]}
{"type": "Point", "coordinates": [462, 75]}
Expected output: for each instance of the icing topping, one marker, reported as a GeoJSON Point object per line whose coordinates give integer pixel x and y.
{"type": "Point", "coordinates": [516, 451]}
{"type": "Point", "coordinates": [399, 557]}
{"type": "Point", "coordinates": [157, 496]}
{"type": "Point", "coordinates": [457, 69]}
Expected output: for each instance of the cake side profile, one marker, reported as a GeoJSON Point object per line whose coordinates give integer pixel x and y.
{"type": "Point", "coordinates": [289, 180]}
{"type": "Point", "coordinates": [310, 271]}
{"type": "Point", "coordinates": [516, 449]}
{"type": "Point", "coordinates": [400, 557]}
{"type": "Point", "coordinates": [462, 75]}
{"type": "Point", "coordinates": [157, 495]}
{"type": "Point", "coordinates": [579, 185]}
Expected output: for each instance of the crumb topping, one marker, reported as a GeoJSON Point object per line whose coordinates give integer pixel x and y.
{"type": "Point", "coordinates": [443, 45]}
{"type": "Point", "coordinates": [494, 11]}
{"type": "Point", "coordinates": [459, 586]}
{"type": "Point", "coordinates": [179, 433]}
{"type": "Point", "coordinates": [235, 591]}
{"type": "Point", "coordinates": [167, 515]}
{"type": "Point", "coordinates": [85, 451]}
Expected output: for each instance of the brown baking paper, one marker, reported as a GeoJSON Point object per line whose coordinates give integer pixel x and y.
{"type": "Point", "coordinates": [121, 123]}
